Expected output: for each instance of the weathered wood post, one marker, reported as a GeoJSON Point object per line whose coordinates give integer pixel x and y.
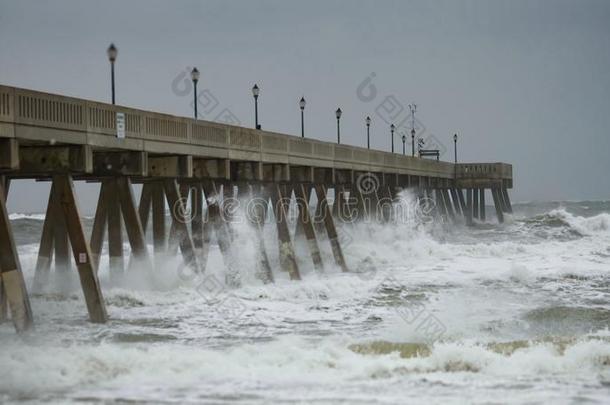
{"type": "Point", "coordinates": [200, 224]}
{"type": "Point", "coordinates": [157, 197]}
{"type": "Point", "coordinates": [508, 208]}
{"type": "Point", "coordinates": [11, 277]}
{"type": "Point", "coordinates": [498, 204]}
{"type": "Point", "coordinates": [482, 204]}
{"type": "Point", "coordinates": [133, 226]}
{"type": "Point", "coordinates": [180, 218]}
{"type": "Point", "coordinates": [64, 189]}
{"type": "Point", "coordinates": [280, 208]}
{"type": "Point", "coordinates": [475, 203]}
{"type": "Point", "coordinates": [456, 201]}
{"type": "Point", "coordinates": [448, 205]}
{"type": "Point", "coordinates": [115, 233]}
{"type": "Point", "coordinates": [45, 252]}
{"type": "Point", "coordinates": [463, 206]}
{"type": "Point", "coordinates": [330, 228]}
{"type": "Point", "coordinates": [97, 234]}
{"type": "Point", "coordinates": [307, 226]}
{"type": "Point", "coordinates": [469, 207]}
{"type": "Point", "coordinates": [256, 212]}
{"type": "Point", "coordinates": [222, 234]}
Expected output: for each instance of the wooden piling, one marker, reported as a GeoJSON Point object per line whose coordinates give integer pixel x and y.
{"type": "Point", "coordinates": [145, 204]}
{"type": "Point", "coordinates": [456, 202]}
{"type": "Point", "coordinates": [469, 206]}
{"type": "Point", "coordinates": [336, 209]}
{"type": "Point", "coordinates": [80, 248]}
{"type": "Point", "coordinates": [133, 226]}
{"type": "Point", "coordinates": [4, 182]}
{"type": "Point", "coordinates": [115, 231]}
{"type": "Point", "coordinates": [222, 234]}
{"type": "Point", "coordinates": [11, 277]}
{"type": "Point", "coordinates": [45, 251]}
{"type": "Point", "coordinates": [475, 203]}
{"type": "Point", "coordinates": [60, 239]}
{"type": "Point", "coordinates": [157, 197]}
{"type": "Point", "coordinates": [99, 228]}
{"type": "Point", "coordinates": [448, 206]}
{"type": "Point", "coordinates": [319, 215]}
{"type": "Point", "coordinates": [180, 218]}
{"type": "Point", "coordinates": [198, 224]}
{"type": "Point", "coordinates": [330, 228]}
{"type": "Point", "coordinates": [495, 193]}
{"type": "Point", "coordinates": [482, 205]}
{"type": "Point", "coordinates": [463, 206]}
{"type": "Point", "coordinates": [307, 225]}
{"type": "Point", "coordinates": [256, 217]}
{"type": "Point", "coordinates": [508, 208]}
{"type": "Point", "coordinates": [280, 208]}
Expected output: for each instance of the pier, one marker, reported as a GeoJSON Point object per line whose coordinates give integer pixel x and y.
{"type": "Point", "coordinates": [194, 166]}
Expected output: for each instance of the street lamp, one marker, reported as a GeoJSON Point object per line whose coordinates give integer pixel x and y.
{"type": "Point", "coordinates": [255, 92]}
{"type": "Point", "coordinates": [455, 146]}
{"type": "Point", "coordinates": [302, 105]}
{"type": "Point", "coordinates": [412, 142]}
{"type": "Point", "coordinates": [404, 140]}
{"type": "Point", "coordinates": [195, 79]}
{"type": "Point", "coordinates": [338, 115]}
{"type": "Point", "coordinates": [112, 53]}
{"type": "Point", "coordinates": [368, 132]}
{"type": "Point", "coordinates": [392, 128]}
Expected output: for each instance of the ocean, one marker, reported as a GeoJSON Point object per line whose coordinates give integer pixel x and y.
{"type": "Point", "coordinates": [431, 312]}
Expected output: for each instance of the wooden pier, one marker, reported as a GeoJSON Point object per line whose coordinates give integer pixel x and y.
{"type": "Point", "coordinates": [195, 167]}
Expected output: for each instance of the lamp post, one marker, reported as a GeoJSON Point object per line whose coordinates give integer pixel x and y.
{"type": "Point", "coordinates": [455, 147]}
{"type": "Point", "coordinates": [412, 142]}
{"type": "Point", "coordinates": [404, 139]}
{"type": "Point", "coordinates": [302, 105]}
{"type": "Point", "coordinates": [392, 128]}
{"type": "Point", "coordinates": [195, 79]}
{"type": "Point", "coordinates": [112, 53]}
{"type": "Point", "coordinates": [255, 92]}
{"type": "Point", "coordinates": [338, 115]}
{"type": "Point", "coordinates": [368, 132]}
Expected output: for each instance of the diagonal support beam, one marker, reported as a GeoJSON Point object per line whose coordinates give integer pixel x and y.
{"type": "Point", "coordinates": [99, 227]}
{"type": "Point", "coordinates": [133, 226]}
{"type": "Point", "coordinates": [255, 217]}
{"type": "Point", "coordinates": [179, 215]}
{"type": "Point", "coordinates": [222, 234]}
{"type": "Point", "coordinates": [11, 276]}
{"type": "Point", "coordinates": [330, 227]}
{"type": "Point", "coordinates": [64, 189]}
{"type": "Point", "coordinates": [306, 222]}
{"type": "Point", "coordinates": [495, 193]}
{"type": "Point", "coordinates": [280, 207]}
{"type": "Point", "coordinates": [45, 252]}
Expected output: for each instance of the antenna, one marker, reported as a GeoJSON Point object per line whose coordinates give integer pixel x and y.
{"type": "Point", "coordinates": [413, 108]}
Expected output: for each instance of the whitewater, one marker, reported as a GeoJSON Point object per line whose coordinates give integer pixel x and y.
{"type": "Point", "coordinates": [430, 313]}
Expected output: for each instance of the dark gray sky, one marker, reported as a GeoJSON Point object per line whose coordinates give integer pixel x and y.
{"type": "Point", "coordinates": [524, 82]}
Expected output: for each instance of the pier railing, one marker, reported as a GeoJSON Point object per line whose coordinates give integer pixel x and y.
{"type": "Point", "coordinates": [43, 117]}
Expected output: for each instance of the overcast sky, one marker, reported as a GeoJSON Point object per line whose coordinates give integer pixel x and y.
{"type": "Point", "coordinates": [523, 82]}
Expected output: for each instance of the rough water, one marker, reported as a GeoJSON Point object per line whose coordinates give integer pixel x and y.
{"type": "Point", "coordinates": [512, 313]}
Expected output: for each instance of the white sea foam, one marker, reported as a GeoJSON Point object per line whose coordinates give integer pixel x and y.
{"type": "Point", "coordinates": [16, 216]}
{"type": "Point", "coordinates": [584, 225]}
{"type": "Point", "coordinates": [290, 341]}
